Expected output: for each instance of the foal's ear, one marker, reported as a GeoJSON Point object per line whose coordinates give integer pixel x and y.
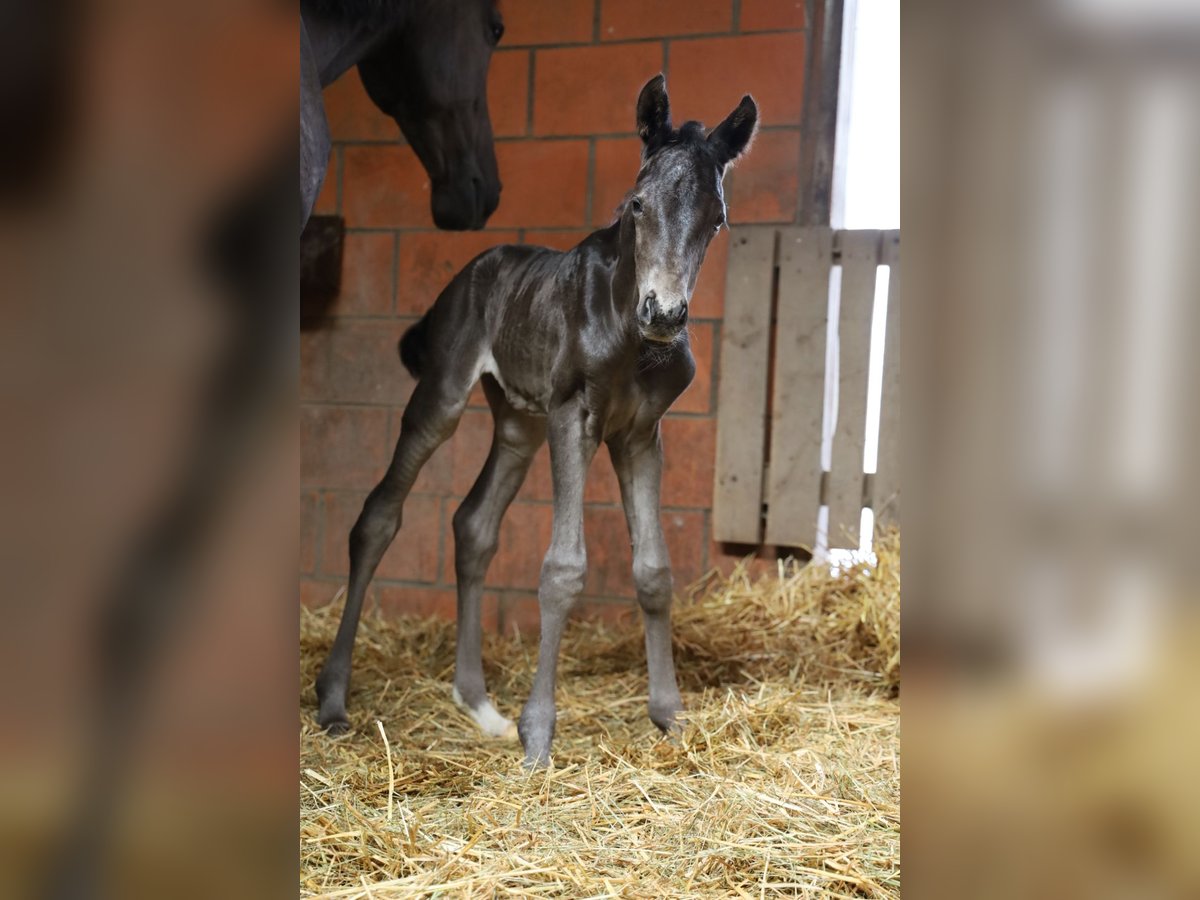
{"type": "Point", "coordinates": [654, 114]}
{"type": "Point", "coordinates": [731, 138]}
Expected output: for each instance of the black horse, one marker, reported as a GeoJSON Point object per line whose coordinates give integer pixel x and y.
{"type": "Point", "coordinates": [583, 347]}
{"type": "Point", "coordinates": [423, 63]}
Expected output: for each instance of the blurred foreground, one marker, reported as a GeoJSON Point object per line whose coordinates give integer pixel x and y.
{"type": "Point", "coordinates": [1051, 283]}
{"type": "Point", "coordinates": [149, 463]}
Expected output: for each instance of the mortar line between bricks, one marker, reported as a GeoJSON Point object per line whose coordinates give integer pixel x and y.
{"type": "Point", "coordinates": [388, 407]}
{"type": "Point", "coordinates": [735, 26]}
{"type": "Point", "coordinates": [529, 93]}
{"type": "Point", "coordinates": [395, 286]}
{"type": "Point", "coordinates": [589, 197]}
{"type": "Point", "coordinates": [532, 137]}
{"type": "Point", "coordinates": [649, 39]}
{"type": "Point", "coordinates": [341, 167]}
{"type": "Point", "coordinates": [409, 317]}
{"type": "Point", "coordinates": [597, 12]}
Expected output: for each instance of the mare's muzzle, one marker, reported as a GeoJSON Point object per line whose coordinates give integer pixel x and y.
{"type": "Point", "coordinates": [464, 203]}
{"type": "Point", "coordinates": [659, 320]}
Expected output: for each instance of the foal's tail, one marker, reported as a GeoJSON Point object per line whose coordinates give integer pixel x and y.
{"type": "Point", "coordinates": [413, 347]}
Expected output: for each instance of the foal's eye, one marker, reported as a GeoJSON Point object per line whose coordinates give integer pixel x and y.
{"type": "Point", "coordinates": [720, 221]}
{"type": "Point", "coordinates": [636, 205]}
{"type": "Point", "coordinates": [497, 31]}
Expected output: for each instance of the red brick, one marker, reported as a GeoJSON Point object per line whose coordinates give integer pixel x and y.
{"type": "Point", "coordinates": [539, 485]}
{"type": "Point", "coordinates": [602, 485]}
{"type": "Point", "coordinates": [617, 164]}
{"type": "Point", "coordinates": [308, 532]}
{"type": "Point", "coordinates": [686, 536]}
{"type": "Point", "coordinates": [771, 15]}
{"type": "Point", "coordinates": [315, 593]}
{"type": "Point", "coordinates": [592, 90]}
{"type": "Point", "coordinates": [621, 19]}
{"type": "Point", "coordinates": [414, 553]}
{"type": "Point", "coordinates": [708, 300]}
{"type": "Point", "coordinates": [557, 240]}
{"type": "Point", "coordinates": [418, 602]}
{"type": "Point", "coordinates": [441, 603]}
{"type": "Point", "coordinates": [610, 556]}
{"type": "Point", "coordinates": [689, 446]}
{"type": "Point", "coordinates": [524, 539]}
{"type": "Point", "coordinates": [385, 187]}
{"type": "Point", "coordinates": [699, 393]}
{"type": "Point", "coordinates": [469, 450]}
{"type": "Point", "coordinates": [508, 92]}
{"type": "Point", "coordinates": [765, 185]}
{"type": "Point", "coordinates": [326, 203]}
{"type": "Point", "coordinates": [546, 21]}
{"type": "Point", "coordinates": [367, 261]}
{"type": "Point", "coordinates": [343, 447]}
{"type": "Point", "coordinates": [617, 614]}
{"type": "Point", "coordinates": [429, 260]}
{"type": "Point", "coordinates": [610, 559]}
{"type": "Point", "coordinates": [354, 362]}
{"type": "Point", "coordinates": [437, 474]}
{"type": "Point", "coordinates": [708, 77]}
{"type": "Point", "coordinates": [353, 116]}
{"type": "Point", "coordinates": [545, 184]}
{"type": "Point", "coordinates": [519, 614]}
{"type": "Point", "coordinates": [725, 558]}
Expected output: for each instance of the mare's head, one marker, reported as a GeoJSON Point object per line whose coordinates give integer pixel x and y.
{"type": "Point", "coordinates": [431, 77]}
{"type": "Point", "coordinates": [677, 205]}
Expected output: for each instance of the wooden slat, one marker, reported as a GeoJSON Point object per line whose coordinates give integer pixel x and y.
{"type": "Point", "coordinates": [860, 257]}
{"type": "Point", "coordinates": [797, 407]}
{"type": "Point", "coordinates": [885, 489]}
{"type": "Point", "coordinates": [742, 394]}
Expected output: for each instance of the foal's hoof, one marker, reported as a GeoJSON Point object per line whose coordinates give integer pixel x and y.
{"type": "Point", "coordinates": [334, 724]}
{"type": "Point", "coordinates": [666, 718]}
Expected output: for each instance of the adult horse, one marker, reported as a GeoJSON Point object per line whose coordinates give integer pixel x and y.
{"type": "Point", "coordinates": [425, 64]}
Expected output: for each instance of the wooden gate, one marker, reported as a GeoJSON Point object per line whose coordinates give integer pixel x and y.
{"type": "Point", "coordinates": [770, 482]}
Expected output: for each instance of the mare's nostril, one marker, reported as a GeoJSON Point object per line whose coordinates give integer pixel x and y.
{"type": "Point", "coordinates": [681, 316]}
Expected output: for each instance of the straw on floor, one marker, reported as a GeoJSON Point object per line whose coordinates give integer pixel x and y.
{"type": "Point", "coordinates": [785, 779]}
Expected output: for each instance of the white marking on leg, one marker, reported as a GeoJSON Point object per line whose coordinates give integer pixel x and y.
{"type": "Point", "coordinates": [487, 718]}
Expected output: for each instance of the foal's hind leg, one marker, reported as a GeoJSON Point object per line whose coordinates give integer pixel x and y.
{"type": "Point", "coordinates": [430, 418]}
{"type": "Point", "coordinates": [638, 463]}
{"type": "Point", "coordinates": [476, 534]}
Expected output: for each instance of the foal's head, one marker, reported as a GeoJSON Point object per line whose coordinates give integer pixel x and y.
{"type": "Point", "coordinates": [677, 205]}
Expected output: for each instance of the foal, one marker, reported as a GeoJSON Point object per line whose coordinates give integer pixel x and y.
{"type": "Point", "coordinates": [581, 347]}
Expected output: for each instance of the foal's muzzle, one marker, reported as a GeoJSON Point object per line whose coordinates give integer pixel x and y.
{"type": "Point", "coordinates": [661, 321]}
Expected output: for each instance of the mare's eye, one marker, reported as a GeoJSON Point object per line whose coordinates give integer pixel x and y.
{"type": "Point", "coordinates": [720, 221]}
{"type": "Point", "coordinates": [497, 31]}
{"type": "Point", "coordinates": [636, 205]}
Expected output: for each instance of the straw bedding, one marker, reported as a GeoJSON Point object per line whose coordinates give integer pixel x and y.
{"type": "Point", "coordinates": [785, 779]}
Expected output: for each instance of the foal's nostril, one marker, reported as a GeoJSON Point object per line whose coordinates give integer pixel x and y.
{"type": "Point", "coordinates": [681, 316]}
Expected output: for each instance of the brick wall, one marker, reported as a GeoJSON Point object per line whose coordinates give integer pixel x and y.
{"type": "Point", "coordinates": [561, 93]}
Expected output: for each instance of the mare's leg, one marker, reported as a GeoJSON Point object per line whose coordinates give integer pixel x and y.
{"type": "Point", "coordinates": [429, 420]}
{"type": "Point", "coordinates": [476, 534]}
{"type": "Point", "coordinates": [638, 464]}
{"type": "Point", "coordinates": [571, 449]}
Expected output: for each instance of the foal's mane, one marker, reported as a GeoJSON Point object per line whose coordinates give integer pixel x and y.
{"type": "Point", "coordinates": [689, 134]}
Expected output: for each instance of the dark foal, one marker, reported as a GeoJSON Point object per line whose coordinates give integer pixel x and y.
{"type": "Point", "coordinates": [581, 347]}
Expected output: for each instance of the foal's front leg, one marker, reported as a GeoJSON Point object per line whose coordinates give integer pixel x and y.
{"type": "Point", "coordinates": [572, 447]}
{"type": "Point", "coordinates": [638, 463]}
